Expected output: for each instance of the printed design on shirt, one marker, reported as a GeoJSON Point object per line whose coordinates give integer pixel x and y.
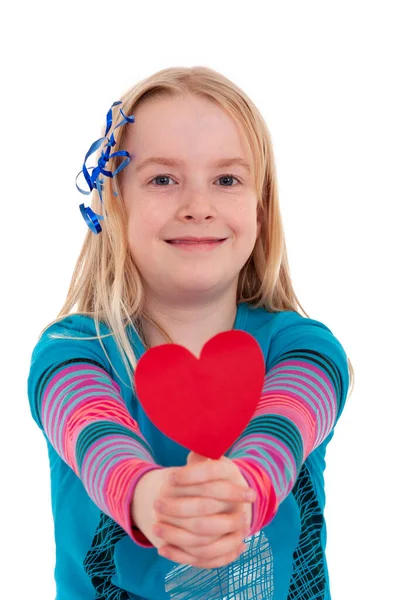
{"type": "Point", "coordinates": [99, 563]}
{"type": "Point", "coordinates": [308, 580]}
{"type": "Point", "coordinates": [250, 577]}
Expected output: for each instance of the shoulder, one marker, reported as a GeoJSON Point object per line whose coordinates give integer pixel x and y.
{"type": "Point", "coordinates": [287, 330]}
{"type": "Point", "coordinates": [261, 321]}
{"type": "Point", "coordinates": [285, 322]}
{"type": "Point", "coordinates": [72, 325]}
{"type": "Point", "coordinates": [72, 336]}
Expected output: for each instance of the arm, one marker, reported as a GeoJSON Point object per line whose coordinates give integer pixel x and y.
{"type": "Point", "coordinates": [79, 408]}
{"type": "Point", "coordinates": [303, 396]}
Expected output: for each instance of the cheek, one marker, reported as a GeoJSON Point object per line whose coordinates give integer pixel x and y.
{"type": "Point", "coordinates": [144, 222]}
{"type": "Point", "coordinates": [141, 213]}
{"type": "Point", "coordinates": [245, 222]}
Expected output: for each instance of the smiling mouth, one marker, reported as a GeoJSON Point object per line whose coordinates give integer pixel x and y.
{"type": "Point", "coordinates": [195, 245]}
{"type": "Point", "coordinates": [196, 241]}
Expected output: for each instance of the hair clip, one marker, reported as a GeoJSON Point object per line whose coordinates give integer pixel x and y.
{"type": "Point", "coordinates": [93, 181]}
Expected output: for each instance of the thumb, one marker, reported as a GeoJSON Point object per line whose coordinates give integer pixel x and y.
{"type": "Point", "coordinates": [193, 458]}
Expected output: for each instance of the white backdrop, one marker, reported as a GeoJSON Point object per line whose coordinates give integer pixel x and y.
{"type": "Point", "coordinates": [325, 77]}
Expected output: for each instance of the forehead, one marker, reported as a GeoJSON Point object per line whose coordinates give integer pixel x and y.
{"type": "Point", "coordinates": [184, 128]}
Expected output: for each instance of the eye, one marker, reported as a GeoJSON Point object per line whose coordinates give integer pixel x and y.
{"type": "Point", "coordinates": [226, 176]}
{"type": "Point", "coordinates": [161, 177]}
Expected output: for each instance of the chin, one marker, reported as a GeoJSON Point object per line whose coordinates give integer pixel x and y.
{"type": "Point", "coordinates": [195, 284]}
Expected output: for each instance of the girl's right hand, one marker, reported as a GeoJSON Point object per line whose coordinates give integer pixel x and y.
{"type": "Point", "coordinates": [146, 493]}
{"type": "Point", "coordinates": [215, 518]}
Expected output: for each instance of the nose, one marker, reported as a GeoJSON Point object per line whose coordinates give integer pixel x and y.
{"type": "Point", "coordinates": [196, 206]}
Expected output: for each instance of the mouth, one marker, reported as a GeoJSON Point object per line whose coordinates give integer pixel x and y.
{"type": "Point", "coordinates": [194, 240]}
{"type": "Point", "coordinates": [195, 244]}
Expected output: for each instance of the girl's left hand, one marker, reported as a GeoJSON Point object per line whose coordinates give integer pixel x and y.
{"type": "Point", "coordinates": [232, 473]}
{"type": "Point", "coordinates": [207, 482]}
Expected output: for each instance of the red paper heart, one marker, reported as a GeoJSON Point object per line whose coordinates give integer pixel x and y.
{"type": "Point", "coordinates": [203, 404]}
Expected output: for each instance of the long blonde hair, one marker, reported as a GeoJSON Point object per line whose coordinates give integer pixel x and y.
{"type": "Point", "coordinates": [106, 284]}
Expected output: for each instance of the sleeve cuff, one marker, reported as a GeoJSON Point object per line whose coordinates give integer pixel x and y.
{"type": "Point", "coordinates": [128, 524]}
{"type": "Point", "coordinates": [265, 506]}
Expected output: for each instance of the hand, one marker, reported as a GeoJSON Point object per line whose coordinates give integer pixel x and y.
{"type": "Point", "coordinates": [149, 488]}
{"type": "Point", "coordinates": [202, 520]}
{"type": "Point", "coordinates": [234, 475]}
{"type": "Point", "coordinates": [155, 486]}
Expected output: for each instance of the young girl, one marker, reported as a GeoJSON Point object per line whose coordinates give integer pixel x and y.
{"type": "Point", "coordinates": [190, 244]}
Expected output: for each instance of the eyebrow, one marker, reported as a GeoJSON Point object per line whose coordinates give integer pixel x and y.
{"type": "Point", "coordinates": [174, 162]}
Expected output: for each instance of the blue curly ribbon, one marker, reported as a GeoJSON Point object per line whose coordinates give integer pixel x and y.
{"type": "Point", "coordinates": [93, 181]}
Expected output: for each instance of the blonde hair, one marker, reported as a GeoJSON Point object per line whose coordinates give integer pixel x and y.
{"type": "Point", "coordinates": [106, 284]}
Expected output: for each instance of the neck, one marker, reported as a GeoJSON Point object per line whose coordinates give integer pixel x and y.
{"type": "Point", "coordinates": [191, 326]}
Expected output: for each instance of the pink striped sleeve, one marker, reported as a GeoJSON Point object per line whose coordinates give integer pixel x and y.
{"type": "Point", "coordinates": [303, 395]}
{"type": "Point", "coordinates": [87, 422]}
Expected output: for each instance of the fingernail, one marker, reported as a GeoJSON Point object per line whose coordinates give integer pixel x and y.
{"type": "Point", "coordinates": [249, 495]}
{"type": "Point", "coordinates": [158, 531]}
{"type": "Point", "coordinates": [163, 551]}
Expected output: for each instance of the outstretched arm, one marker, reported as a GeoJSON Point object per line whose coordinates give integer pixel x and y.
{"type": "Point", "coordinates": [80, 410]}
{"type": "Point", "coordinates": [303, 396]}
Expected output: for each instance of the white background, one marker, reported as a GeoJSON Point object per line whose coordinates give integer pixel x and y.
{"type": "Point", "coordinates": [325, 77]}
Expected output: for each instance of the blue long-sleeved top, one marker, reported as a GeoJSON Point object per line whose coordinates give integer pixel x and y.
{"type": "Point", "coordinates": [100, 442]}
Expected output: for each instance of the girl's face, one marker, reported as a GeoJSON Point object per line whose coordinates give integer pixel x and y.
{"type": "Point", "coordinates": [186, 195]}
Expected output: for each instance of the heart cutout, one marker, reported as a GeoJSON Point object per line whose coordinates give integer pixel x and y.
{"type": "Point", "coordinates": [203, 404]}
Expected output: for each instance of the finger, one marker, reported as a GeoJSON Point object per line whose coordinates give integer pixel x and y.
{"type": "Point", "coordinates": [176, 536]}
{"type": "Point", "coordinates": [222, 552]}
{"type": "Point", "coordinates": [193, 507]}
{"type": "Point", "coordinates": [202, 471]}
{"type": "Point", "coordinates": [197, 506]}
{"type": "Point", "coordinates": [224, 546]}
{"type": "Point", "coordinates": [212, 525]}
{"type": "Point", "coordinates": [223, 560]}
{"type": "Point", "coordinates": [221, 489]}
{"type": "Point", "coordinates": [193, 457]}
